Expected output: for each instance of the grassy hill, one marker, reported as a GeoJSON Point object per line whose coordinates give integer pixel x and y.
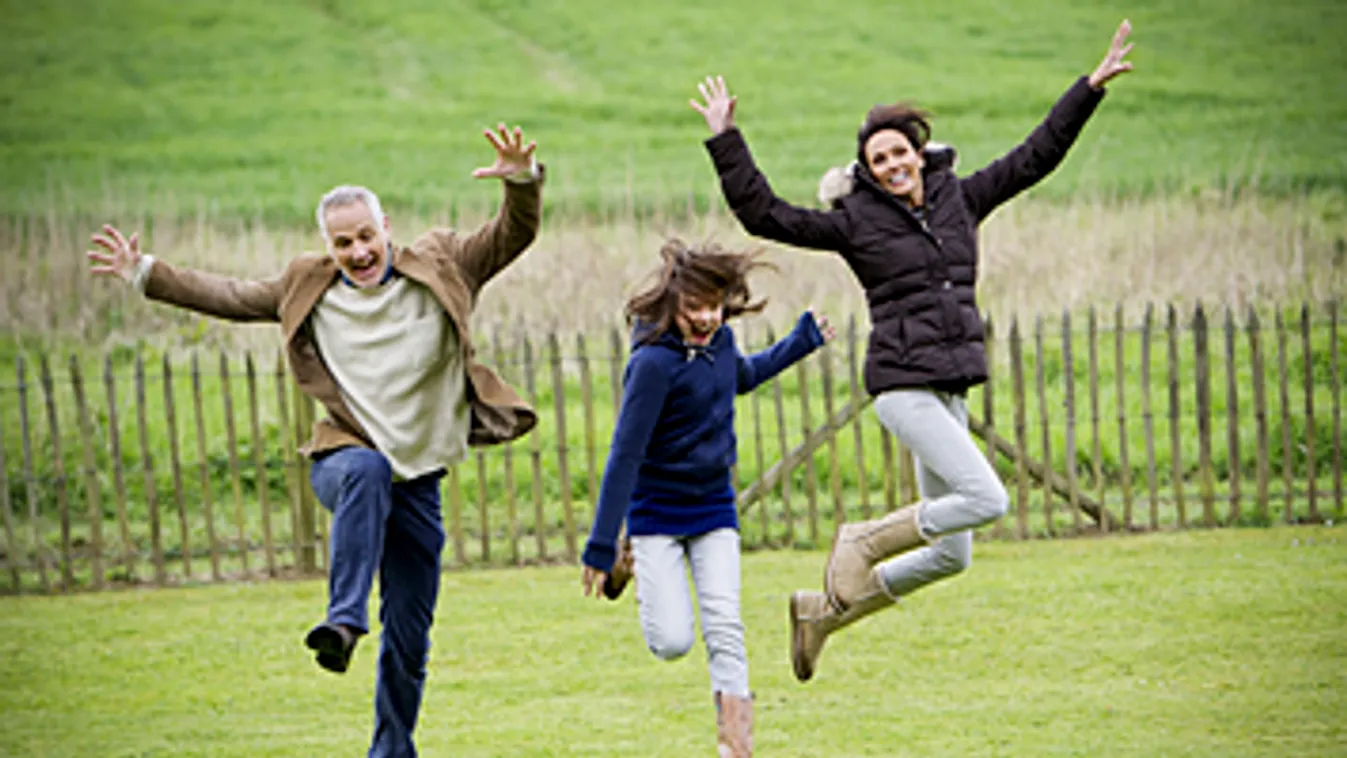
{"type": "Point", "coordinates": [254, 105]}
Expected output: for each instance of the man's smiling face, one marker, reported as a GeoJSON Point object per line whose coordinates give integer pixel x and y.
{"type": "Point", "coordinates": [358, 242]}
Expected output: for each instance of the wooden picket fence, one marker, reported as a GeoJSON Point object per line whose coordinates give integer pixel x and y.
{"type": "Point", "coordinates": [1163, 421]}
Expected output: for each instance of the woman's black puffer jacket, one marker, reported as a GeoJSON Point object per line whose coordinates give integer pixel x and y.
{"type": "Point", "coordinates": [919, 275]}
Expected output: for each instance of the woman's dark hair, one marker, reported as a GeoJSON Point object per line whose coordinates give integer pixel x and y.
{"type": "Point", "coordinates": [912, 121]}
{"type": "Point", "coordinates": [705, 272]}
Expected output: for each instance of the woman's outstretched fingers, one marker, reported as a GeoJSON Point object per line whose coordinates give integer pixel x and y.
{"type": "Point", "coordinates": [717, 106]}
{"type": "Point", "coordinates": [1113, 63]}
{"type": "Point", "coordinates": [1121, 47]}
{"type": "Point", "coordinates": [703, 88]}
{"type": "Point", "coordinates": [1120, 36]}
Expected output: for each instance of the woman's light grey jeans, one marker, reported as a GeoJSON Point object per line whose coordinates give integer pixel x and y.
{"type": "Point", "coordinates": [662, 564]}
{"type": "Point", "coordinates": [959, 488]}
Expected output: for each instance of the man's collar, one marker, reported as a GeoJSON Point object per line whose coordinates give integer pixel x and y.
{"type": "Point", "coordinates": [388, 268]}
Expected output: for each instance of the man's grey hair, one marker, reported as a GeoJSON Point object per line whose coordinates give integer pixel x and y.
{"type": "Point", "coordinates": [348, 194]}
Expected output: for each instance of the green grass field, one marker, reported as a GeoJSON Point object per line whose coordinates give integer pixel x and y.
{"type": "Point", "coordinates": [1197, 644]}
{"type": "Point", "coordinates": [257, 107]}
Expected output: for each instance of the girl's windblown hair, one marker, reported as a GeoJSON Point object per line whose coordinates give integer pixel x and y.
{"type": "Point", "coordinates": [704, 272]}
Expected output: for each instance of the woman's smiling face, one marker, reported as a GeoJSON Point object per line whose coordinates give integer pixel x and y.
{"type": "Point", "coordinates": [895, 164]}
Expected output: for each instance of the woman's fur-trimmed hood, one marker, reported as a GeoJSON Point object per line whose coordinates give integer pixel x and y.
{"type": "Point", "coordinates": [840, 181]}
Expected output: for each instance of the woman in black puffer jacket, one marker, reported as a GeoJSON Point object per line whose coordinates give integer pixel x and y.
{"type": "Point", "coordinates": [908, 230]}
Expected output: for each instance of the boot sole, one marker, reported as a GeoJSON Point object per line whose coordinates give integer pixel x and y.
{"type": "Point", "coordinates": [333, 654]}
{"type": "Point", "coordinates": [803, 672]}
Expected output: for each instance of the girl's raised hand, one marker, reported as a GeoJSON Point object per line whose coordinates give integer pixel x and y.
{"type": "Point", "coordinates": [828, 331]}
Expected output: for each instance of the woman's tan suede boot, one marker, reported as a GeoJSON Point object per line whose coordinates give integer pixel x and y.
{"type": "Point", "coordinates": [860, 546]}
{"type": "Point", "coordinates": [813, 617]}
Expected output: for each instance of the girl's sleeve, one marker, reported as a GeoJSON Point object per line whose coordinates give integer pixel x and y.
{"type": "Point", "coordinates": [645, 386]}
{"type": "Point", "coordinates": [757, 368]}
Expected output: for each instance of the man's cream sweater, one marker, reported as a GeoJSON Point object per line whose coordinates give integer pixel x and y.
{"type": "Point", "coordinates": [396, 358]}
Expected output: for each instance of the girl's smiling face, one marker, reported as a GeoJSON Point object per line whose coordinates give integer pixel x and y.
{"type": "Point", "coordinates": [698, 317]}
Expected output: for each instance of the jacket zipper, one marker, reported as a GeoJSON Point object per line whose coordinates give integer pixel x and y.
{"type": "Point", "coordinates": [945, 282]}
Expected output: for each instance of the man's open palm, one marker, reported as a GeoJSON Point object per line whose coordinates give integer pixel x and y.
{"type": "Point", "coordinates": [512, 155]}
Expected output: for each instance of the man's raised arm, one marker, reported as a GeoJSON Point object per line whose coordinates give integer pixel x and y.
{"type": "Point", "coordinates": [484, 253]}
{"type": "Point", "coordinates": [211, 294]}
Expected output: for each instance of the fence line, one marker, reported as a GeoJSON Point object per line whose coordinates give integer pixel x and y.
{"type": "Point", "coordinates": [809, 458]}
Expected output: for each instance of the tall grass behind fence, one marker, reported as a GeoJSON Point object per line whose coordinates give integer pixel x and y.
{"type": "Point", "coordinates": [170, 467]}
{"type": "Point", "coordinates": [1237, 248]}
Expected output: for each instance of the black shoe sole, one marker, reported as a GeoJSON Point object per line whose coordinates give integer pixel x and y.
{"type": "Point", "coordinates": [612, 589]}
{"type": "Point", "coordinates": [333, 654]}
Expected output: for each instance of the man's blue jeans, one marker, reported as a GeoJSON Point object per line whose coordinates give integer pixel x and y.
{"type": "Point", "coordinates": [395, 527]}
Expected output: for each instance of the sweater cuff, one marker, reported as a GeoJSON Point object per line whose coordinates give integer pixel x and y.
{"type": "Point", "coordinates": [142, 275]}
{"type": "Point", "coordinates": [599, 557]}
{"type": "Point", "coordinates": [807, 328]}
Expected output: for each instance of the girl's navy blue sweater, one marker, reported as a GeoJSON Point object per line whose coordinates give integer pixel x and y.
{"type": "Point", "coordinates": [668, 469]}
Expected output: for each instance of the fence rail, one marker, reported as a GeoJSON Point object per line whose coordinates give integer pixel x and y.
{"type": "Point", "coordinates": [180, 467]}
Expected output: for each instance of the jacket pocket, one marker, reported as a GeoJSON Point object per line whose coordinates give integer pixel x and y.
{"type": "Point", "coordinates": [889, 340]}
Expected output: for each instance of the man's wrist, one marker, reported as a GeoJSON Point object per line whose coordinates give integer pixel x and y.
{"type": "Point", "coordinates": [525, 175]}
{"type": "Point", "coordinates": [141, 277]}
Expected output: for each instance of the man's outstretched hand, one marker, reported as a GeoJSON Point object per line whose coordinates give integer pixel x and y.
{"type": "Point", "coordinates": [512, 155]}
{"type": "Point", "coordinates": [122, 256]}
